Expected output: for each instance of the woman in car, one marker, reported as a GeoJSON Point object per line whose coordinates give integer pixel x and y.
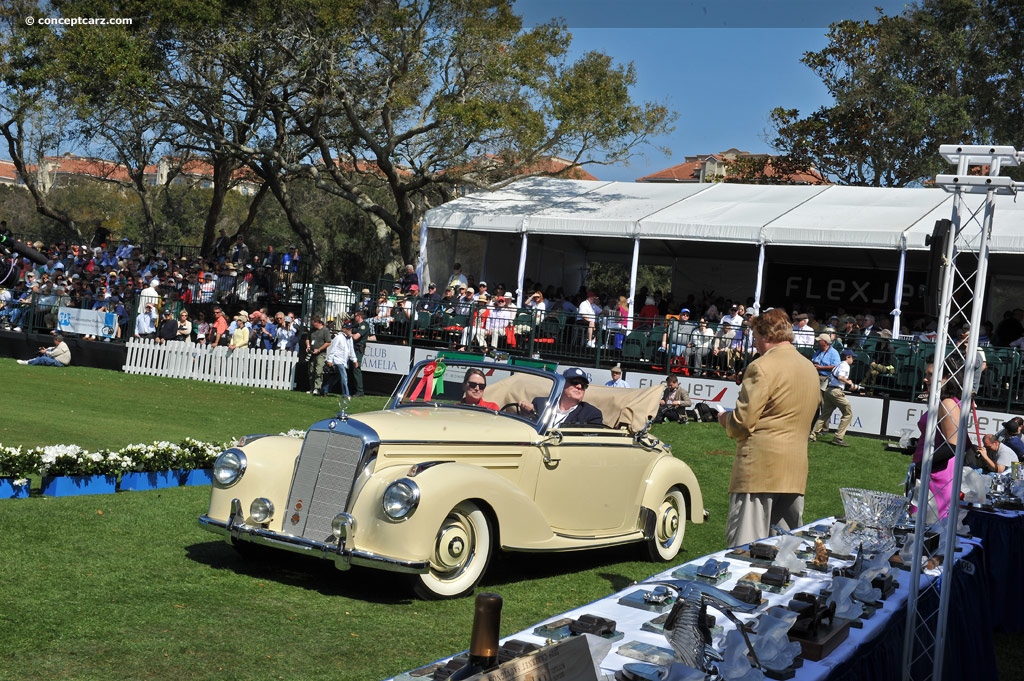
{"type": "Point", "coordinates": [473, 386]}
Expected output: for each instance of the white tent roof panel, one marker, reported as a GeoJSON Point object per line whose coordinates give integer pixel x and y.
{"type": "Point", "coordinates": [1007, 225]}
{"type": "Point", "coordinates": [860, 217]}
{"type": "Point", "coordinates": [727, 212]}
{"type": "Point", "coordinates": [833, 216]}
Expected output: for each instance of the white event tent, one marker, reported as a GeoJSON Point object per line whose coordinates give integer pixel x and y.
{"type": "Point", "coordinates": [759, 215]}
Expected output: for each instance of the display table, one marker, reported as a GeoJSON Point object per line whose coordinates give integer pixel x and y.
{"type": "Point", "coordinates": [872, 652]}
{"type": "Point", "coordinates": [1002, 534]}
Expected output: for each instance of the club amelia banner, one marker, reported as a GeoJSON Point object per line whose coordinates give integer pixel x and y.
{"type": "Point", "coordinates": [86, 322]}
{"type": "Point", "coordinates": [387, 359]}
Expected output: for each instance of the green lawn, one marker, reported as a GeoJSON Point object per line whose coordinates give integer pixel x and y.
{"type": "Point", "coordinates": [127, 585]}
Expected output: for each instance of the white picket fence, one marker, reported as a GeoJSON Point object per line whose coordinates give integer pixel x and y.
{"type": "Point", "coordinates": [177, 359]}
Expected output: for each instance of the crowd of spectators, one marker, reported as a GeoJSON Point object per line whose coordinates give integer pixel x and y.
{"type": "Point", "coordinates": [153, 294]}
{"type": "Point", "coordinates": [205, 300]}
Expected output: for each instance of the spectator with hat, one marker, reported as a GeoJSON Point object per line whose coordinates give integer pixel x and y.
{"type": "Point", "coordinates": [833, 397]}
{"type": "Point", "coordinates": [617, 380]}
{"type": "Point", "coordinates": [481, 290]}
{"type": "Point", "coordinates": [168, 328]}
{"type": "Point", "coordinates": [570, 410]}
{"type": "Point", "coordinates": [803, 335]}
{"type": "Point", "coordinates": [57, 356]}
{"type": "Point", "coordinates": [239, 331]}
{"type": "Point", "coordinates": [825, 359]}
{"type": "Point", "coordinates": [431, 300]}
{"type": "Point", "coordinates": [145, 322]}
{"type": "Point", "coordinates": [676, 338]}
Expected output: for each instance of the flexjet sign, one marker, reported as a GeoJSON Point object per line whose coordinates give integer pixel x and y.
{"type": "Point", "coordinates": [849, 291]}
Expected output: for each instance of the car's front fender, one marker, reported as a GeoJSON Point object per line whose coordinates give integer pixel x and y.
{"type": "Point", "coordinates": [519, 522]}
{"type": "Point", "coordinates": [268, 473]}
{"type": "Point", "coordinates": [670, 472]}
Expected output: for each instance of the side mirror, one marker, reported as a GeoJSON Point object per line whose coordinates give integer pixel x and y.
{"type": "Point", "coordinates": [554, 439]}
{"type": "Point", "coordinates": [642, 438]}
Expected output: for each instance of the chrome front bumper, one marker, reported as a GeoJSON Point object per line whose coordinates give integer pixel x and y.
{"type": "Point", "coordinates": [235, 531]}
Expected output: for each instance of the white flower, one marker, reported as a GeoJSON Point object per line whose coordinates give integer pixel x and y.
{"type": "Point", "coordinates": [20, 482]}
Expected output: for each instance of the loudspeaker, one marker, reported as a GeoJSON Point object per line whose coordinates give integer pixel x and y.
{"type": "Point", "coordinates": [936, 242]}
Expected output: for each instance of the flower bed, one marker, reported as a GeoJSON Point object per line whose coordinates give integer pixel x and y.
{"type": "Point", "coordinates": [160, 457]}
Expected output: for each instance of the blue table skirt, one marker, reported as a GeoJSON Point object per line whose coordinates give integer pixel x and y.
{"type": "Point", "coordinates": [970, 653]}
{"type": "Point", "coordinates": [1002, 535]}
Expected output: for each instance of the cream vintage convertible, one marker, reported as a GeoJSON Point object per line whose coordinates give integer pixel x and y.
{"type": "Point", "coordinates": [431, 486]}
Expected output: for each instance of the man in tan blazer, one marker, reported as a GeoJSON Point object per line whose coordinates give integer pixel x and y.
{"type": "Point", "coordinates": [777, 400]}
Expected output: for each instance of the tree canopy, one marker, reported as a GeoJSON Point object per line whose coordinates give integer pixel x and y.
{"type": "Point", "coordinates": [392, 106]}
{"type": "Point", "coordinates": [944, 71]}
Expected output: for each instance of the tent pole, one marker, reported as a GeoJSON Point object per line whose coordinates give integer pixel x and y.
{"type": "Point", "coordinates": [423, 270]}
{"type": "Point", "coordinates": [760, 280]}
{"type": "Point", "coordinates": [632, 280]}
{"type": "Point", "coordinates": [522, 271]}
{"type": "Point", "coordinates": [898, 297]}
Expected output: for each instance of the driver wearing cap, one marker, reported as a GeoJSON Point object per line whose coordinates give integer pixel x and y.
{"type": "Point", "coordinates": [571, 409]}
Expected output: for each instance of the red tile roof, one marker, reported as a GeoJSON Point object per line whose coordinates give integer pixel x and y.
{"type": "Point", "coordinates": [8, 171]}
{"type": "Point", "coordinates": [690, 170]}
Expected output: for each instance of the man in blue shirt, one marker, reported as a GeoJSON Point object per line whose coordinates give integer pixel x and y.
{"type": "Point", "coordinates": [825, 359]}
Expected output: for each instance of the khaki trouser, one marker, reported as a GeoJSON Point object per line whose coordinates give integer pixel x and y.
{"type": "Point", "coordinates": [752, 515]}
{"type": "Point", "coordinates": [832, 399]}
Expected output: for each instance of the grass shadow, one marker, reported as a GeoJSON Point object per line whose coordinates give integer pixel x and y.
{"type": "Point", "coordinates": [305, 572]}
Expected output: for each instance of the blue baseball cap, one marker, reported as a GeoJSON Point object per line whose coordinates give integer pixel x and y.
{"type": "Point", "coordinates": [685, 310]}
{"type": "Point", "coordinates": [576, 374]}
{"type": "Point", "coordinates": [848, 353]}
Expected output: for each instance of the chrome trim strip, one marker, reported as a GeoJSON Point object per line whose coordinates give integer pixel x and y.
{"type": "Point", "coordinates": [258, 535]}
{"type": "Point", "coordinates": [467, 443]}
{"type": "Point", "coordinates": [631, 538]}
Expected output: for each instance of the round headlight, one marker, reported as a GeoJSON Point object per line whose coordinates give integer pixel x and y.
{"type": "Point", "coordinates": [228, 467]}
{"type": "Point", "coordinates": [261, 509]}
{"type": "Point", "coordinates": [400, 499]}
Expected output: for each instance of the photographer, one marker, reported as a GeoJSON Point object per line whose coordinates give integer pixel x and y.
{"type": "Point", "coordinates": [264, 334]}
{"type": "Point", "coordinates": [833, 397]}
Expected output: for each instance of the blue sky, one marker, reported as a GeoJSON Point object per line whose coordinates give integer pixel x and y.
{"type": "Point", "coordinates": [722, 66]}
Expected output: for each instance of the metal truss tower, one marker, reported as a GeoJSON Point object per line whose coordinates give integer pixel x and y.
{"type": "Point", "coordinates": [964, 267]}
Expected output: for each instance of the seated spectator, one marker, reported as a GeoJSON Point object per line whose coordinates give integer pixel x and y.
{"type": "Point", "coordinates": [57, 356]}
{"type": "Point", "coordinates": [588, 311]}
{"type": "Point", "coordinates": [649, 312]}
{"type": "Point", "coordinates": [617, 380]}
{"type": "Point", "coordinates": [570, 409]}
{"type": "Point", "coordinates": [473, 386]}
{"type": "Point", "coordinates": [699, 347]}
{"type": "Point", "coordinates": [145, 322]}
{"type": "Point", "coordinates": [674, 402]}
{"type": "Point", "coordinates": [1012, 436]}
{"type": "Point", "coordinates": [995, 456]}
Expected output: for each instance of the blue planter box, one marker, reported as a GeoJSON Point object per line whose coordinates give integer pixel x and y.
{"type": "Point", "coordinates": [202, 476]}
{"type": "Point", "coordinates": [8, 490]}
{"type": "Point", "coordinates": [73, 485]}
{"type": "Point", "coordinates": [139, 482]}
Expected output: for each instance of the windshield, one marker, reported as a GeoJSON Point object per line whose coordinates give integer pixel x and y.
{"type": "Point", "coordinates": [475, 385]}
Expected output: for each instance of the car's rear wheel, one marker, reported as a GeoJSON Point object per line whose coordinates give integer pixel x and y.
{"type": "Point", "coordinates": [669, 527]}
{"type": "Point", "coordinates": [461, 552]}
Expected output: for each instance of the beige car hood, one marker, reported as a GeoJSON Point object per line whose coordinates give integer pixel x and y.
{"type": "Point", "coordinates": [449, 424]}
